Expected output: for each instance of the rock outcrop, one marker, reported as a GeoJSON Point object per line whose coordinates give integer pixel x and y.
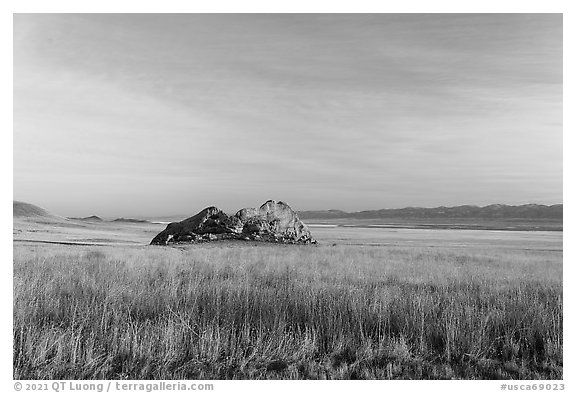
{"type": "Point", "coordinates": [272, 222]}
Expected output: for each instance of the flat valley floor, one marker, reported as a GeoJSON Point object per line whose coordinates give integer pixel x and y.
{"type": "Point", "coordinates": [94, 301]}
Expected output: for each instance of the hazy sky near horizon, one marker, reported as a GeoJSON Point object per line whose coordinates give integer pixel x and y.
{"type": "Point", "coordinates": [158, 114]}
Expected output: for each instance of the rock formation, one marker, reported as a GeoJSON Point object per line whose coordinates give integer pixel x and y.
{"type": "Point", "coordinates": [272, 222]}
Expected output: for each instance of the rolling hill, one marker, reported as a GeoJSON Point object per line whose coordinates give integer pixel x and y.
{"type": "Point", "coordinates": [88, 219]}
{"type": "Point", "coordinates": [27, 210]}
{"type": "Point", "coordinates": [131, 220]}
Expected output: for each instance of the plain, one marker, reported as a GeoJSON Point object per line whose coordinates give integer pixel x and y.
{"type": "Point", "coordinates": [477, 305]}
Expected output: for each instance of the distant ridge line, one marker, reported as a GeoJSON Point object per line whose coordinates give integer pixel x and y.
{"type": "Point", "coordinates": [526, 211]}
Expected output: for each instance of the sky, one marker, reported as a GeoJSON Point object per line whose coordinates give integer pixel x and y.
{"type": "Point", "coordinates": [160, 114]}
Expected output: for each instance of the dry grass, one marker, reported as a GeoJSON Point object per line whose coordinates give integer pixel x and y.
{"type": "Point", "coordinates": [286, 312]}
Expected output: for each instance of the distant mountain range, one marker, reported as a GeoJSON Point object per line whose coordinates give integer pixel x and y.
{"type": "Point", "coordinates": [497, 211]}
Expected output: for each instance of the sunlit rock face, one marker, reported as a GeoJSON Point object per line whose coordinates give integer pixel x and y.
{"type": "Point", "coordinates": [272, 222]}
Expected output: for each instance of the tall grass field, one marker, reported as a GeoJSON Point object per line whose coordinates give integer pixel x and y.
{"type": "Point", "coordinates": [286, 312]}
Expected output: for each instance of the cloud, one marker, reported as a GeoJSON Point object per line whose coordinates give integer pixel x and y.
{"type": "Point", "coordinates": [364, 111]}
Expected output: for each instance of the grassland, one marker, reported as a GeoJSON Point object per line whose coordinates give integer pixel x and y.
{"type": "Point", "coordinates": [286, 312]}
